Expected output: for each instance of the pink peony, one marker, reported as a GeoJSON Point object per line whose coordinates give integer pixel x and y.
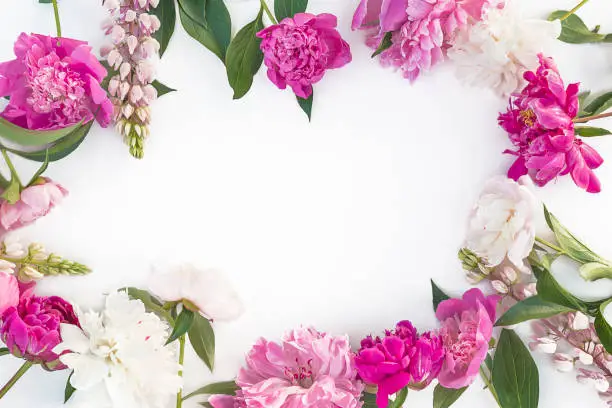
{"type": "Point", "coordinates": [9, 291]}
{"type": "Point", "coordinates": [299, 50]}
{"type": "Point", "coordinates": [31, 329]}
{"type": "Point", "coordinates": [227, 401]}
{"type": "Point", "coordinates": [402, 358]}
{"type": "Point", "coordinates": [467, 327]}
{"type": "Point", "coordinates": [422, 29]}
{"type": "Point", "coordinates": [34, 202]}
{"type": "Point", "coordinates": [307, 369]}
{"type": "Point", "coordinates": [540, 124]}
{"type": "Point", "coordinates": [53, 86]}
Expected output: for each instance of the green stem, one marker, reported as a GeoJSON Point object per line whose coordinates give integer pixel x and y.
{"type": "Point", "coordinates": [22, 370]}
{"type": "Point", "coordinates": [594, 117]}
{"type": "Point", "coordinates": [179, 395]}
{"type": "Point", "coordinates": [489, 385]}
{"type": "Point", "coordinates": [58, 26]}
{"type": "Point", "coordinates": [268, 12]}
{"type": "Point", "coordinates": [575, 9]}
{"type": "Point", "coordinates": [550, 245]}
{"type": "Point", "coordinates": [9, 163]}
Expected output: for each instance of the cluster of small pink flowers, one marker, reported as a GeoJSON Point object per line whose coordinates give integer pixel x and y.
{"type": "Point", "coordinates": [573, 343]}
{"type": "Point", "coordinates": [130, 28]}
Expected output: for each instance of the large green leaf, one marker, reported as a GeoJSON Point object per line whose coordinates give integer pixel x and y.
{"type": "Point", "coordinates": [182, 324]}
{"type": "Point", "coordinates": [244, 57]}
{"type": "Point", "coordinates": [26, 137]}
{"type": "Point", "coordinates": [598, 105]}
{"type": "Point", "coordinates": [551, 291]}
{"type": "Point", "coordinates": [531, 308]}
{"type": "Point", "coordinates": [289, 8]}
{"type": "Point", "coordinates": [385, 43]}
{"type": "Point", "coordinates": [166, 12]}
{"type": "Point", "coordinates": [196, 9]}
{"type": "Point", "coordinates": [306, 104]}
{"type": "Point", "coordinates": [589, 131]}
{"type": "Point", "coordinates": [201, 33]}
{"type": "Point", "coordinates": [515, 374]}
{"type": "Point", "coordinates": [202, 339]}
{"type": "Point", "coordinates": [161, 89]}
{"type": "Point", "coordinates": [437, 295]}
{"type": "Point", "coordinates": [59, 149]}
{"type": "Point", "coordinates": [220, 23]}
{"type": "Point", "coordinates": [151, 304]}
{"type": "Point", "coordinates": [225, 388]}
{"type": "Point", "coordinates": [445, 397]}
{"type": "Point", "coordinates": [400, 398]}
{"type": "Point", "coordinates": [573, 29]}
{"type": "Point", "coordinates": [4, 351]}
{"type": "Point", "coordinates": [602, 327]}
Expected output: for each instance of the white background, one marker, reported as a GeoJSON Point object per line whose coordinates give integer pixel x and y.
{"type": "Point", "coordinates": [339, 223]}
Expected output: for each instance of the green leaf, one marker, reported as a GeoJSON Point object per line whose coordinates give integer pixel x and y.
{"type": "Point", "coordinates": [602, 327]}
{"type": "Point", "coordinates": [183, 323]}
{"type": "Point", "coordinates": [224, 388]}
{"type": "Point", "coordinates": [385, 43]}
{"type": "Point", "coordinates": [166, 12]}
{"type": "Point", "coordinates": [598, 105]}
{"type": "Point", "coordinates": [369, 400]}
{"type": "Point", "coordinates": [4, 351]}
{"type": "Point", "coordinates": [69, 390]}
{"type": "Point", "coordinates": [244, 57]}
{"type": "Point", "coordinates": [12, 192]}
{"type": "Point", "coordinates": [202, 34]}
{"type": "Point", "coordinates": [445, 397]}
{"type": "Point", "coordinates": [40, 170]}
{"type": "Point", "coordinates": [593, 271]}
{"type": "Point", "coordinates": [570, 244]}
{"type": "Point", "coordinates": [26, 137]}
{"type": "Point", "coordinates": [515, 374]}
{"type": "Point", "coordinates": [220, 23]}
{"type": "Point", "coordinates": [551, 291]}
{"type": "Point", "coordinates": [206, 404]}
{"type": "Point", "coordinates": [161, 88]}
{"type": "Point", "coordinates": [202, 338]}
{"type": "Point", "coordinates": [45, 1]}
{"type": "Point", "coordinates": [289, 8]}
{"type": "Point", "coordinates": [573, 29]}
{"type": "Point", "coordinates": [306, 104]}
{"type": "Point", "coordinates": [437, 295]}
{"type": "Point", "coordinates": [531, 308]}
{"type": "Point", "coordinates": [400, 398]}
{"type": "Point", "coordinates": [588, 131]}
{"type": "Point", "coordinates": [151, 304]}
{"type": "Point", "coordinates": [196, 9]}
{"type": "Point", "coordinates": [489, 362]}
{"type": "Point", "coordinates": [59, 149]}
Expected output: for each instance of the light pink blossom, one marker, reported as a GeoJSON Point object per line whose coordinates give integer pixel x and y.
{"type": "Point", "coordinates": [34, 202]}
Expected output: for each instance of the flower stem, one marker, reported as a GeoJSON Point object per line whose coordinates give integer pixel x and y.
{"type": "Point", "coordinates": [58, 26]}
{"type": "Point", "coordinates": [179, 394]}
{"type": "Point", "coordinates": [594, 117]}
{"type": "Point", "coordinates": [9, 163]}
{"type": "Point", "coordinates": [489, 385]}
{"type": "Point", "coordinates": [549, 245]}
{"type": "Point", "coordinates": [268, 12]}
{"type": "Point", "coordinates": [575, 9]}
{"type": "Point", "coordinates": [22, 370]}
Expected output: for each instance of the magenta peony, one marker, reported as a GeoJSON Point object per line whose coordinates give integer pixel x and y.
{"type": "Point", "coordinates": [467, 327]}
{"type": "Point", "coordinates": [34, 202]}
{"type": "Point", "coordinates": [9, 291]}
{"type": "Point", "coordinates": [540, 124]}
{"type": "Point", "coordinates": [299, 50]}
{"type": "Point", "coordinates": [53, 83]}
{"type": "Point", "coordinates": [307, 369]}
{"type": "Point", "coordinates": [31, 329]}
{"type": "Point", "coordinates": [402, 358]}
{"type": "Point", "coordinates": [422, 30]}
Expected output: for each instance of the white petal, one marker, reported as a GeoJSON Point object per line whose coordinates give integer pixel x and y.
{"type": "Point", "coordinates": [88, 370]}
{"type": "Point", "coordinates": [73, 339]}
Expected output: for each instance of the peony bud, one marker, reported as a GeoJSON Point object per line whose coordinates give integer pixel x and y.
{"type": "Point", "coordinates": [563, 362]}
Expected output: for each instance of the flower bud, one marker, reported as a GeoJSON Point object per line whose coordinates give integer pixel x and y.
{"type": "Point", "coordinates": [29, 274]}
{"type": "Point", "coordinates": [127, 110]}
{"type": "Point", "coordinates": [509, 275]}
{"type": "Point", "coordinates": [595, 378]}
{"type": "Point", "coordinates": [473, 263]}
{"type": "Point", "coordinates": [124, 88]}
{"type": "Point", "coordinates": [136, 94]}
{"type": "Point", "coordinates": [563, 362]}
{"type": "Point", "coordinates": [544, 345]}
{"type": "Point", "coordinates": [499, 286]}
{"type": "Point", "coordinates": [7, 267]}
{"type": "Point", "coordinates": [132, 43]}
{"type": "Point", "coordinates": [130, 16]}
{"type": "Point", "coordinates": [113, 85]}
{"type": "Point", "coordinates": [579, 321]}
{"type": "Point", "coordinates": [117, 34]}
{"type": "Point", "coordinates": [124, 70]}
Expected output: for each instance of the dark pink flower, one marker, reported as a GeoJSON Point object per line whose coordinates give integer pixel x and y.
{"type": "Point", "coordinates": [402, 358]}
{"type": "Point", "coordinates": [35, 201]}
{"type": "Point", "coordinates": [540, 124]}
{"type": "Point", "coordinates": [467, 327]}
{"type": "Point", "coordinates": [53, 83]}
{"type": "Point", "coordinates": [299, 50]}
{"type": "Point", "coordinates": [31, 329]}
{"type": "Point", "coordinates": [422, 30]}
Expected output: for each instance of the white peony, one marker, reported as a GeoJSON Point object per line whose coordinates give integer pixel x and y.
{"type": "Point", "coordinates": [496, 51]}
{"type": "Point", "coordinates": [119, 357]}
{"type": "Point", "coordinates": [501, 225]}
{"type": "Point", "coordinates": [206, 289]}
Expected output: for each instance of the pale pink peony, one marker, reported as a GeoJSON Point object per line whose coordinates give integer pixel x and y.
{"type": "Point", "coordinates": [227, 401]}
{"type": "Point", "coordinates": [34, 202]}
{"type": "Point", "coordinates": [53, 83]}
{"type": "Point", "coordinates": [299, 50]}
{"type": "Point", "coordinates": [422, 30]}
{"type": "Point", "coordinates": [540, 124]}
{"type": "Point", "coordinates": [31, 328]}
{"type": "Point", "coordinates": [9, 291]}
{"type": "Point", "coordinates": [307, 369]}
{"type": "Point", "coordinates": [467, 327]}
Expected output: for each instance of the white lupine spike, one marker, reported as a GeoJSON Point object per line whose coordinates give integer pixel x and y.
{"type": "Point", "coordinates": [499, 286]}
{"type": "Point", "coordinates": [127, 128]}
{"type": "Point", "coordinates": [142, 114]}
{"type": "Point", "coordinates": [136, 94]}
{"type": "Point", "coordinates": [113, 85]}
{"type": "Point", "coordinates": [132, 43]}
{"type": "Point", "coordinates": [580, 321]}
{"type": "Point", "coordinates": [155, 23]}
{"type": "Point", "coordinates": [117, 34]}
{"type": "Point", "coordinates": [124, 88]}
{"type": "Point", "coordinates": [130, 16]}
{"type": "Point", "coordinates": [30, 274]}
{"type": "Point", "coordinates": [111, 4]}
{"type": "Point", "coordinates": [563, 362]}
{"type": "Point", "coordinates": [114, 58]}
{"type": "Point", "coordinates": [145, 20]}
{"type": "Point", "coordinates": [142, 3]}
{"type": "Point", "coordinates": [138, 130]}
{"type": "Point", "coordinates": [125, 70]}
{"type": "Point", "coordinates": [127, 110]}
{"type": "Point", "coordinates": [150, 93]}
{"type": "Point", "coordinates": [154, 3]}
